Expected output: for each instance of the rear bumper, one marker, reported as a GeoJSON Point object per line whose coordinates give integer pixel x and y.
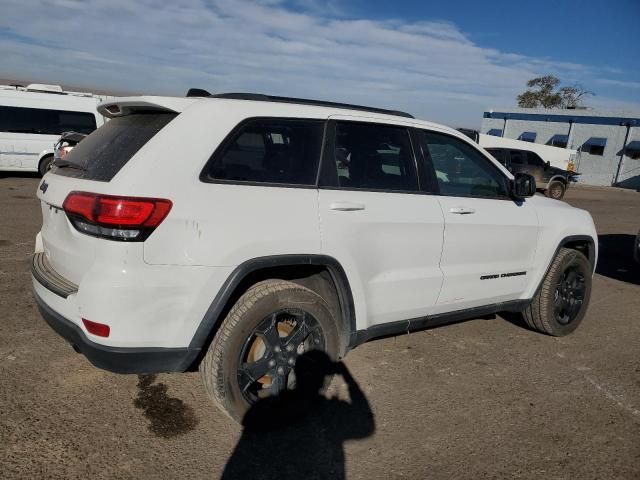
{"type": "Point", "coordinates": [118, 359]}
{"type": "Point", "coordinates": [47, 276]}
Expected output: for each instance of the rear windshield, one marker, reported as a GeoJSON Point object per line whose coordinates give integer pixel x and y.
{"type": "Point", "coordinates": [102, 154]}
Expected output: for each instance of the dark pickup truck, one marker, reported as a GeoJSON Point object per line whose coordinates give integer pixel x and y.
{"type": "Point", "coordinates": [552, 180]}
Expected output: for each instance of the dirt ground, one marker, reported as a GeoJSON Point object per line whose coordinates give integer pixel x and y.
{"type": "Point", "coordinates": [485, 398]}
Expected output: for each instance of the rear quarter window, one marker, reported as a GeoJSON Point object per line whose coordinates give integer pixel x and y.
{"type": "Point", "coordinates": [268, 151]}
{"type": "Point", "coordinates": [102, 154]}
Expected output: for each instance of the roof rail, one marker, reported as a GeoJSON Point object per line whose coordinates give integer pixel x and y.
{"type": "Point", "coordinates": [259, 97]}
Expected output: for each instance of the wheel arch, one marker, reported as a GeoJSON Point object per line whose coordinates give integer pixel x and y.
{"type": "Point", "coordinates": [43, 155]}
{"type": "Point", "coordinates": [556, 178]}
{"type": "Point", "coordinates": [318, 272]}
{"type": "Point", "coordinates": [582, 243]}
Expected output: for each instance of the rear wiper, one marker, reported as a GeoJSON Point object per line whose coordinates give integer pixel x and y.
{"type": "Point", "coordinates": [65, 164]}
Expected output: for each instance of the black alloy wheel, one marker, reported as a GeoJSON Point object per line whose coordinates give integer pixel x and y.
{"type": "Point", "coordinates": [267, 359]}
{"type": "Point", "coordinates": [569, 295]}
{"type": "Point", "coordinates": [258, 349]}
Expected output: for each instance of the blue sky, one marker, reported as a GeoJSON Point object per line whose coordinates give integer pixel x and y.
{"type": "Point", "coordinates": [445, 61]}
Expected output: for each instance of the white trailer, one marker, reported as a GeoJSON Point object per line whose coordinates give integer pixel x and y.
{"type": "Point", "coordinates": [563, 158]}
{"type": "Point", "coordinates": [32, 118]}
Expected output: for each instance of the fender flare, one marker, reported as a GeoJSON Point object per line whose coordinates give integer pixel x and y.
{"type": "Point", "coordinates": [44, 153]}
{"type": "Point", "coordinates": [591, 246]}
{"type": "Point", "coordinates": [560, 178]}
{"type": "Point", "coordinates": [212, 317]}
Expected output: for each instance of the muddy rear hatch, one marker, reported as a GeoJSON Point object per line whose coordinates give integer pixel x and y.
{"type": "Point", "coordinates": [78, 211]}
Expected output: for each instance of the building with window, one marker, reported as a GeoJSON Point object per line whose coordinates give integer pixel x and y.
{"type": "Point", "coordinates": [608, 143]}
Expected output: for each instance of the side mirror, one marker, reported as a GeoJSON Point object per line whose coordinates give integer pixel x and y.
{"type": "Point", "coordinates": [524, 185]}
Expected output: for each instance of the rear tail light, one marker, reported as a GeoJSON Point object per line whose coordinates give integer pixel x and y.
{"type": "Point", "coordinates": [130, 219]}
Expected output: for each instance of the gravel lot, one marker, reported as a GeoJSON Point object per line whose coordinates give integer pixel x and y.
{"type": "Point", "coordinates": [481, 399]}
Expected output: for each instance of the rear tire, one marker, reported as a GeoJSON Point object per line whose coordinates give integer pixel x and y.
{"type": "Point", "coordinates": [556, 190]}
{"type": "Point", "coordinates": [562, 300]}
{"type": "Point", "coordinates": [224, 367]}
{"type": "Point", "coordinates": [45, 165]}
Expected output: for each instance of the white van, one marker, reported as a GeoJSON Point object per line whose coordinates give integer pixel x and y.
{"type": "Point", "coordinates": [32, 118]}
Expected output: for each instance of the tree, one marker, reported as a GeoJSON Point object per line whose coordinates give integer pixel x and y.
{"type": "Point", "coordinates": [542, 93]}
{"type": "Point", "coordinates": [572, 96]}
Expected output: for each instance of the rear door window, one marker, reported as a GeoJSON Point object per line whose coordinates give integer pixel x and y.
{"type": "Point", "coordinates": [371, 156]}
{"type": "Point", "coordinates": [101, 155]}
{"type": "Point", "coordinates": [270, 151]}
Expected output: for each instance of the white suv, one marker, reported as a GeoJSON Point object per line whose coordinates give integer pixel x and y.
{"type": "Point", "coordinates": [233, 233]}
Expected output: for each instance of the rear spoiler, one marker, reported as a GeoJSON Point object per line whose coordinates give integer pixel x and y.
{"type": "Point", "coordinates": [126, 105]}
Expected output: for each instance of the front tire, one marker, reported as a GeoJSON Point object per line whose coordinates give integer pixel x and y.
{"type": "Point", "coordinates": [253, 353]}
{"type": "Point", "coordinates": [556, 190]}
{"type": "Point", "coordinates": [561, 302]}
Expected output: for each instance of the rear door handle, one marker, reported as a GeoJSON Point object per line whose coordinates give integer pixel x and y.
{"type": "Point", "coordinates": [462, 210]}
{"type": "Point", "coordinates": [346, 206]}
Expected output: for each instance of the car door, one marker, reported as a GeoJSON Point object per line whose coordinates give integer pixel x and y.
{"type": "Point", "coordinates": [374, 220]}
{"type": "Point", "coordinates": [489, 239]}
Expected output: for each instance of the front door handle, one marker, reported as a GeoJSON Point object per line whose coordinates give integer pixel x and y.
{"type": "Point", "coordinates": [462, 210]}
{"type": "Point", "coordinates": [346, 206]}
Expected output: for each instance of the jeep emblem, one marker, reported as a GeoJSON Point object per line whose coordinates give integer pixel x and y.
{"type": "Point", "coordinates": [43, 187]}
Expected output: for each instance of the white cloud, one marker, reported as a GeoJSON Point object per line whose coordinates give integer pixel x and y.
{"type": "Point", "coordinates": [311, 48]}
{"type": "Point", "coordinates": [617, 83]}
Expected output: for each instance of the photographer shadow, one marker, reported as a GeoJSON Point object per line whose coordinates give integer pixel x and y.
{"type": "Point", "coordinates": [300, 433]}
